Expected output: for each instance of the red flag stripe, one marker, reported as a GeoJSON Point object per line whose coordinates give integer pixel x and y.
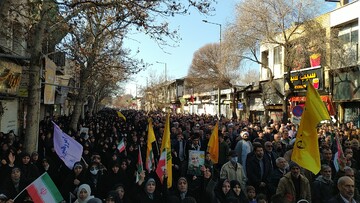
{"type": "Point", "coordinates": [34, 194]}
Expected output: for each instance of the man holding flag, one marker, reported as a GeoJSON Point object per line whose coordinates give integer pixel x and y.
{"type": "Point", "coordinates": [306, 147]}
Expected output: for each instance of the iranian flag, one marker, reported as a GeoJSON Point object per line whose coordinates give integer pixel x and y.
{"type": "Point", "coordinates": [161, 165]}
{"type": "Point", "coordinates": [139, 166]}
{"type": "Point", "coordinates": [338, 155]}
{"type": "Point", "coordinates": [44, 190]}
{"type": "Point", "coordinates": [121, 146]}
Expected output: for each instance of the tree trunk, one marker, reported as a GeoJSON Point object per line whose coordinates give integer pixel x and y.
{"type": "Point", "coordinates": [91, 104]}
{"type": "Point", "coordinates": [78, 108]}
{"type": "Point", "coordinates": [34, 89]}
{"type": "Point", "coordinates": [285, 106]}
{"type": "Point", "coordinates": [79, 99]}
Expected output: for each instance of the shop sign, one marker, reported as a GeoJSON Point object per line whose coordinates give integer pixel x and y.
{"type": "Point", "coordinates": [299, 78]}
{"type": "Point", "coordinates": [50, 76]}
{"type": "Point", "coordinates": [295, 120]}
{"type": "Point", "coordinates": [10, 77]}
{"type": "Point", "coordinates": [273, 107]}
{"type": "Point", "coordinates": [240, 106]}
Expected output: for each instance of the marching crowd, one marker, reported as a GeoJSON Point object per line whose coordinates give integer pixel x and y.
{"type": "Point", "coordinates": [254, 163]}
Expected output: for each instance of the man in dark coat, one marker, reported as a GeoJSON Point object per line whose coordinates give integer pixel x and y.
{"type": "Point", "coordinates": [270, 154]}
{"type": "Point", "coordinates": [179, 146]}
{"type": "Point", "coordinates": [275, 176]}
{"type": "Point", "coordinates": [223, 151]}
{"type": "Point", "coordinates": [322, 186]}
{"type": "Point", "coordinates": [346, 191]}
{"type": "Point", "coordinates": [258, 169]}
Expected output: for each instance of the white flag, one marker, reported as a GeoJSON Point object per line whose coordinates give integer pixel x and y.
{"type": "Point", "coordinates": [68, 149]}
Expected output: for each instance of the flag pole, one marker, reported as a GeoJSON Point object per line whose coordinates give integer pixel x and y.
{"type": "Point", "coordinates": [82, 158]}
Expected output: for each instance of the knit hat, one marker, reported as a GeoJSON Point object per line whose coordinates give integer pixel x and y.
{"type": "Point", "coordinates": [293, 164]}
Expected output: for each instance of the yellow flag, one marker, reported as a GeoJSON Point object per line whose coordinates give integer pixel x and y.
{"type": "Point", "coordinates": [306, 147]}
{"type": "Point", "coordinates": [213, 145]}
{"type": "Point", "coordinates": [121, 115]}
{"type": "Point", "coordinates": [149, 151]}
{"type": "Point", "coordinates": [165, 144]}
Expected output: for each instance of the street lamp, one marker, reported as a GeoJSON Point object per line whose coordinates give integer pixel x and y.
{"type": "Point", "coordinates": [165, 68]}
{"type": "Point", "coordinates": [219, 91]}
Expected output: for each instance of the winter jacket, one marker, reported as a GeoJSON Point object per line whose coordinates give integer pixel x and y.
{"type": "Point", "coordinates": [228, 171]}
{"type": "Point", "coordinates": [322, 190]}
{"type": "Point", "coordinates": [286, 189]}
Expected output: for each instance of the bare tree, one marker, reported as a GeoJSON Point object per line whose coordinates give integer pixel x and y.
{"type": "Point", "coordinates": [249, 76]}
{"type": "Point", "coordinates": [104, 84]}
{"type": "Point", "coordinates": [291, 25]}
{"type": "Point", "coordinates": [87, 21]}
{"type": "Point", "coordinates": [34, 23]}
{"type": "Point", "coordinates": [214, 66]}
{"type": "Point", "coordinates": [154, 99]}
{"type": "Point", "coordinates": [100, 28]}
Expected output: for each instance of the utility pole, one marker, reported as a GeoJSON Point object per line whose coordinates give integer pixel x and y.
{"type": "Point", "coordinates": [219, 91]}
{"type": "Point", "coordinates": [166, 92]}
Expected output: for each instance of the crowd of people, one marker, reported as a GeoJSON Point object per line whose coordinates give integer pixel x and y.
{"type": "Point", "coordinates": [254, 163]}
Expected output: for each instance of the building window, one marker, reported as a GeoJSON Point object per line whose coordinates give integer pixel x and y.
{"type": "Point", "coordinates": [277, 55]}
{"type": "Point", "coordinates": [351, 37]}
{"type": "Point", "coordinates": [348, 52]}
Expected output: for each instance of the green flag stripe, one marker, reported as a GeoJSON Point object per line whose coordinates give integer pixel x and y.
{"type": "Point", "coordinates": [52, 188]}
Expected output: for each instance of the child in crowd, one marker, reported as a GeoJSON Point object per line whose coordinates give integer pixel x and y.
{"type": "Point", "coordinates": [251, 194]}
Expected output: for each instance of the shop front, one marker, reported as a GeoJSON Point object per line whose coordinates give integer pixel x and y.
{"type": "Point", "coordinates": [272, 101]}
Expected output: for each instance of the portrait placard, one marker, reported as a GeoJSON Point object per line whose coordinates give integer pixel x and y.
{"type": "Point", "coordinates": [196, 160]}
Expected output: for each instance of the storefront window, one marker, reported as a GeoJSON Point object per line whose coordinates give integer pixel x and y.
{"type": "Point", "coordinates": [352, 115]}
